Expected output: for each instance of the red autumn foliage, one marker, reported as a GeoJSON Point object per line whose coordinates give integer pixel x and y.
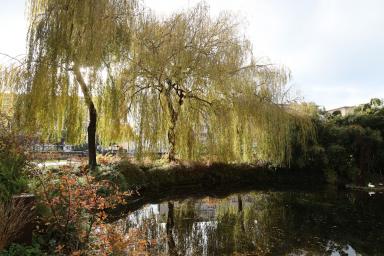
{"type": "Point", "coordinates": [76, 209]}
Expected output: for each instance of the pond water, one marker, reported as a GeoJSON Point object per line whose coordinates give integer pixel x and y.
{"type": "Point", "coordinates": [326, 222]}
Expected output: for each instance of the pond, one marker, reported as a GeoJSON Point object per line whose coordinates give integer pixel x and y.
{"type": "Point", "coordinates": [323, 222]}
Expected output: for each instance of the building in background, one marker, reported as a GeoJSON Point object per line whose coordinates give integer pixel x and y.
{"type": "Point", "coordinates": [344, 111]}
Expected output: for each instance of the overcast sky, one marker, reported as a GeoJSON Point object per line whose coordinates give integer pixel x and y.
{"type": "Point", "coordinates": [335, 48]}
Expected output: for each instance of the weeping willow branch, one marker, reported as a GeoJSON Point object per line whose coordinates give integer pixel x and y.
{"type": "Point", "coordinates": [187, 84]}
{"type": "Point", "coordinates": [65, 37]}
{"type": "Point", "coordinates": [206, 95]}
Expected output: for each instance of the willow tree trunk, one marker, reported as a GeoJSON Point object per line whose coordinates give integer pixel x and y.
{"type": "Point", "coordinates": [172, 142]}
{"type": "Point", "coordinates": [92, 118]}
{"type": "Point", "coordinates": [92, 137]}
{"type": "Point", "coordinates": [172, 128]}
{"type": "Point", "coordinates": [169, 228]}
{"type": "Point", "coordinates": [240, 212]}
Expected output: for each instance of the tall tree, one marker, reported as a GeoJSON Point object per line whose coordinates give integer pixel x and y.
{"type": "Point", "coordinates": [197, 84]}
{"type": "Point", "coordinates": [71, 43]}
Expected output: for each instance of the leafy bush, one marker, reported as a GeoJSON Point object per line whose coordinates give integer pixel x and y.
{"type": "Point", "coordinates": [13, 163]}
{"type": "Point", "coordinates": [134, 175]}
{"type": "Point", "coordinates": [109, 172]}
{"type": "Point", "coordinates": [354, 145]}
{"type": "Point", "coordinates": [74, 209]}
{"type": "Point", "coordinates": [22, 250]}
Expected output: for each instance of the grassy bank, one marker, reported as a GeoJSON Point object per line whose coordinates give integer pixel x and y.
{"type": "Point", "coordinates": [162, 178]}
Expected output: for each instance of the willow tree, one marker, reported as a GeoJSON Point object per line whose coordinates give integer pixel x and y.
{"type": "Point", "coordinates": [71, 43]}
{"type": "Point", "coordinates": [197, 84]}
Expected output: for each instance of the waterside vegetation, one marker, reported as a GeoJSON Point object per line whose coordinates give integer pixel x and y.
{"type": "Point", "coordinates": [199, 110]}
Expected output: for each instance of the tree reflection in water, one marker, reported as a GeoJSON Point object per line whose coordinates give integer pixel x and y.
{"type": "Point", "coordinates": [262, 223]}
{"type": "Point", "coordinates": [169, 228]}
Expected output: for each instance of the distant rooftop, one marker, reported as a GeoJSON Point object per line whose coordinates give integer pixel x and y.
{"type": "Point", "coordinates": [346, 110]}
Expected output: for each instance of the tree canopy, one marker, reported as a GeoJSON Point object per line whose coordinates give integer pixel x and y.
{"type": "Point", "coordinates": [199, 89]}
{"type": "Point", "coordinates": [188, 84]}
{"type": "Point", "coordinates": [70, 44]}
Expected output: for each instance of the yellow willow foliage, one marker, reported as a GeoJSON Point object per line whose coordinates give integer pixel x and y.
{"type": "Point", "coordinates": [52, 105]}
{"type": "Point", "coordinates": [71, 46]}
{"type": "Point", "coordinates": [245, 129]}
{"type": "Point", "coordinates": [150, 124]}
{"type": "Point", "coordinates": [113, 125]}
{"type": "Point", "coordinates": [189, 81]}
{"type": "Point", "coordinates": [7, 95]}
{"type": "Point", "coordinates": [3, 84]}
{"type": "Point", "coordinates": [79, 30]}
{"type": "Point", "coordinates": [196, 77]}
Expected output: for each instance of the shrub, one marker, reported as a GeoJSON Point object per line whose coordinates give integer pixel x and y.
{"type": "Point", "coordinates": [14, 215]}
{"type": "Point", "coordinates": [134, 175]}
{"type": "Point", "coordinates": [22, 250]}
{"type": "Point", "coordinates": [13, 163]}
{"type": "Point", "coordinates": [330, 176]}
{"type": "Point", "coordinates": [109, 172]}
{"type": "Point", "coordinates": [107, 159]}
{"type": "Point", "coordinates": [73, 211]}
